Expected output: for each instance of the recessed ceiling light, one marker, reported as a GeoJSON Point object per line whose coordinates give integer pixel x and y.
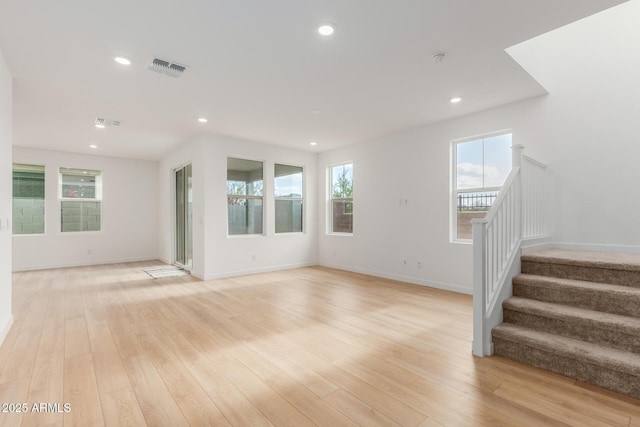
{"type": "Point", "coordinates": [326, 29]}
{"type": "Point", "coordinates": [122, 60]}
{"type": "Point", "coordinates": [313, 143]}
{"type": "Point", "coordinates": [99, 126]}
{"type": "Point", "coordinates": [93, 146]}
{"type": "Point", "coordinates": [455, 100]}
{"type": "Point", "coordinates": [202, 120]}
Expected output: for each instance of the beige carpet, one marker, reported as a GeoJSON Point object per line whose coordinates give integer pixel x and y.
{"type": "Point", "coordinates": [605, 267]}
{"type": "Point", "coordinates": [578, 314]}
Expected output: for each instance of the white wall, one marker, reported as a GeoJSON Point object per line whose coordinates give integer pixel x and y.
{"type": "Point", "coordinates": [586, 130]}
{"type": "Point", "coordinates": [129, 214]}
{"type": "Point", "coordinates": [414, 165]}
{"type": "Point", "coordinates": [6, 317]}
{"type": "Point", "coordinates": [215, 253]}
{"type": "Point", "coordinates": [191, 153]}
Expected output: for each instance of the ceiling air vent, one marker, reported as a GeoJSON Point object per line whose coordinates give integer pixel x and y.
{"type": "Point", "coordinates": [103, 122]}
{"type": "Point", "coordinates": [167, 67]}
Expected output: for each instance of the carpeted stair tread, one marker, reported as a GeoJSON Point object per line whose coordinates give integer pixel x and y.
{"type": "Point", "coordinates": [614, 322]}
{"type": "Point", "coordinates": [606, 260]}
{"type": "Point", "coordinates": [606, 267]}
{"type": "Point", "coordinates": [616, 331]}
{"type": "Point", "coordinates": [576, 313]}
{"type": "Point", "coordinates": [612, 359]}
{"type": "Point", "coordinates": [555, 281]}
{"type": "Point", "coordinates": [617, 299]}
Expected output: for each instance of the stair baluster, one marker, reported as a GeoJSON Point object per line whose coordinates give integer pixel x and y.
{"type": "Point", "coordinates": [518, 214]}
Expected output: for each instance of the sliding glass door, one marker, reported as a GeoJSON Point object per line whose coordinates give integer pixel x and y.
{"type": "Point", "coordinates": [184, 217]}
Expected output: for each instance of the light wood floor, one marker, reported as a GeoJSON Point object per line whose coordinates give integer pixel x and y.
{"type": "Point", "coordinates": [301, 347]}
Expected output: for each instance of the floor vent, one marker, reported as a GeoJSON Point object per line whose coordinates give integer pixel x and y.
{"type": "Point", "coordinates": [164, 271]}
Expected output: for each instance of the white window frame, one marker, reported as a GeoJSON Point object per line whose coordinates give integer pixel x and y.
{"type": "Point", "coordinates": [330, 199]}
{"type": "Point", "coordinates": [97, 197]}
{"type": "Point", "coordinates": [453, 226]}
{"type": "Point", "coordinates": [301, 198]}
{"type": "Point", "coordinates": [246, 196]}
{"type": "Point", "coordinates": [44, 211]}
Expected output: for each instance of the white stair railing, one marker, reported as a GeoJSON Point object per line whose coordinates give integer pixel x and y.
{"type": "Point", "coordinates": [518, 213]}
{"type": "Point", "coordinates": [534, 199]}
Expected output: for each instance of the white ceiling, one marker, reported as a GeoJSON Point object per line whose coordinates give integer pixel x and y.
{"type": "Point", "coordinates": [258, 69]}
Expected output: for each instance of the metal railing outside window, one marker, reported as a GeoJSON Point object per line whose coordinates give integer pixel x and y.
{"type": "Point", "coordinates": [476, 201]}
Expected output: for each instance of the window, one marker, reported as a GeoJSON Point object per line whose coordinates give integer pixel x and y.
{"type": "Point", "coordinates": [481, 167]}
{"type": "Point", "coordinates": [341, 203]}
{"type": "Point", "coordinates": [28, 199]}
{"type": "Point", "coordinates": [288, 198]}
{"type": "Point", "coordinates": [245, 198]}
{"type": "Point", "coordinates": [80, 199]}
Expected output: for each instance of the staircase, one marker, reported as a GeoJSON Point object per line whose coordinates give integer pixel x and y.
{"type": "Point", "coordinates": [576, 313]}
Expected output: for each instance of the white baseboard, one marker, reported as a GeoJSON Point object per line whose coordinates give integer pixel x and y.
{"type": "Point", "coordinates": [197, 275]}
{"type": "Point", "coordinates": [81, 264]}
{"type": "Point", "coordinates": [236, 273]}
{"type": "Point", "coordinates": [530, 246]}
{"type": "Point", "coordinates": [596, 247]}
{"type": "Point", "coordinates": [413, 280]}
{"type": "Point", "coordinates": [5, 331]}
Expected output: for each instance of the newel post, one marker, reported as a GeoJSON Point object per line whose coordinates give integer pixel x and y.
{"type": "Point", "coordinates": [479, 287]}
{"type": "Point", "coordinates": [516, 155]}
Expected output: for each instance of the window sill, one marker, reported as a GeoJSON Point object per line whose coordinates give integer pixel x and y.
{"type": "Point", "coordinates": [244, 236]}
{"type": "Point", "coordinates": [462, 242]}
{"type": "Point", "coordinates": [85, 232]}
